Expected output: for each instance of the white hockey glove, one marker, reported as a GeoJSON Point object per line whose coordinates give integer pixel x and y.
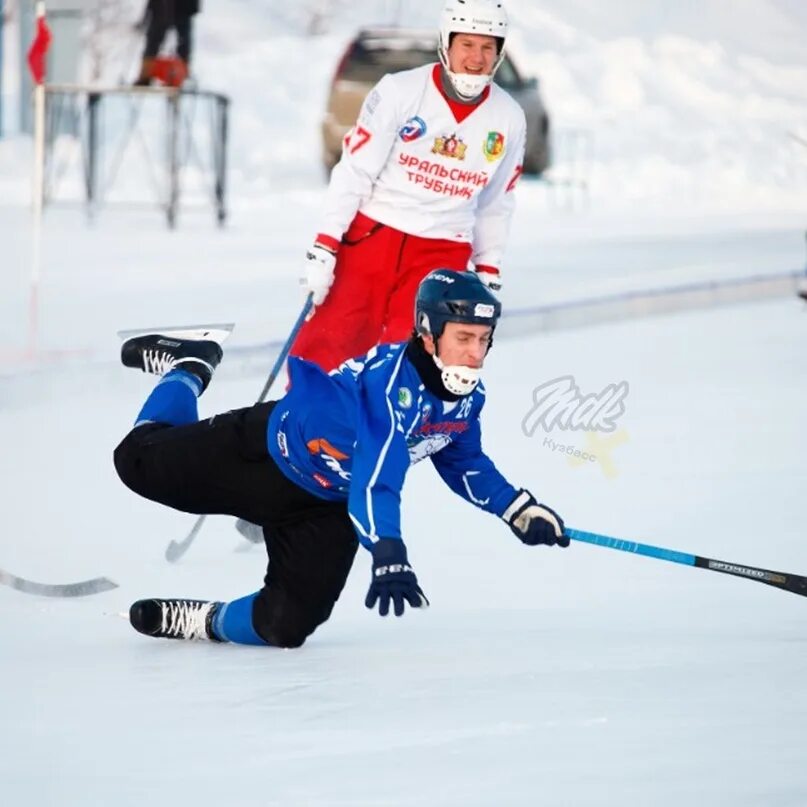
{"type": "Point", "coordinates": [490, 276]}
{"type": "Point", "coordinates": [534, 523]}
{"type": "Point", "coordinates": [319, 266]}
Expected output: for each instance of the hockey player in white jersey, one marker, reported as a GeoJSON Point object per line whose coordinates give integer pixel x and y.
{"type": "Point", "coordinates": [426, 178]}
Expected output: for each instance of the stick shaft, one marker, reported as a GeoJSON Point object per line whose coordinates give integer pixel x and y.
{"type": "Point", "coordinates": [795, 583]}
{"type": "Point", "coordinates": [176, 549]}
{"type": "Point", "coordinates": [284, 351]}
{"type": "Point", "coordinates": [632, 546]}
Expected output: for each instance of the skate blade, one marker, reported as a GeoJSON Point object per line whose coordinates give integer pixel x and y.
{"type": "Point", "coordinates": [216, 332]}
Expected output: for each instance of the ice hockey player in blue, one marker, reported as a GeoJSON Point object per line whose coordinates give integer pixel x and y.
{"type": "Point", "coordinates": [323, 468]}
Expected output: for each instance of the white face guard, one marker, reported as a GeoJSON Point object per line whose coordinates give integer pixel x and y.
{"type": "Point", "coordinates": [467, 85]}
{"type": "Point", "coordinates": [458, 380]}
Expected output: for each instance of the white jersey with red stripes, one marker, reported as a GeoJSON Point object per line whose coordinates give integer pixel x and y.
{"type": "Point", "coordinates": [413, 162]}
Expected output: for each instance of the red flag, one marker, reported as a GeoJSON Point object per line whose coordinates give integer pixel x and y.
{"type": "Point", "coordinates": [39, 49]}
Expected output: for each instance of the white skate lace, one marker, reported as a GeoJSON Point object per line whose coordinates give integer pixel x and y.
{"type": "Point", "coordinates": [185, 620]}
{"type": "Point", "coordinates": [158, 362]}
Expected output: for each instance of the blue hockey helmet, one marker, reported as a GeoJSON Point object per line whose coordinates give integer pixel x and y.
{"type": "Point", "coordinates": [446, 295]}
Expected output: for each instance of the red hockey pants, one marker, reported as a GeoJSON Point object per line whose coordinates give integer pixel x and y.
{"type": "Point", "coordinates": [372, 300]}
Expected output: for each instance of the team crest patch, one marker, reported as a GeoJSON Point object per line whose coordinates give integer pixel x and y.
{"type": "Point", "coordinates": [405, 397]}
{"type": "Point", "coordinates": [449, 147]}
{"type": "Point", "coordinates": [493, 147]}
{"type": "Point", "coordinates": [412, 129]}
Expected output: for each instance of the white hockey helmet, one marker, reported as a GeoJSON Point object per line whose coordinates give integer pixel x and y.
{"type": "Point", "coordinates": [486, 17]}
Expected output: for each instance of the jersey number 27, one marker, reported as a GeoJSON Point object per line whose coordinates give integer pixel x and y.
{"type": "Point", "coordinates": [355, 139]}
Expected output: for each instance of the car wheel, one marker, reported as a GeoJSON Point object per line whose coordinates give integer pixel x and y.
{"type": "Point", "coordinates": [538, 156]}
{"type": "Point", "coordinates": [537, 161]}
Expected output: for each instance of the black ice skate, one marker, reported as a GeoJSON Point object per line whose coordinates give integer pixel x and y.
{"type": "Point", "coordinates": [196, 350]}
{"type": "Point", "coordinates": [175, 619]}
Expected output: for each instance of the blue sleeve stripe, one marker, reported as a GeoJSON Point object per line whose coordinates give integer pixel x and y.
{"type": "Point", "coordinates": [373, 536]}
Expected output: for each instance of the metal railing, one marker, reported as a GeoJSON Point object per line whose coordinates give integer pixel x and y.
{"type": "Point", "coordinates": [160, 130]}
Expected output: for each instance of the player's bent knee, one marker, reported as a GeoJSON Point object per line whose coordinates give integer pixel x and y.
{"type": "Point", "coordinates": [284, 632]}
{"type": "Point", "coordinates": [125, 459]}
{"type": "Point", "coordinates": [285, 637]}
{"type": "Point", "coordinates": [128, 458]}
{"type": "Point", "coordinates": [282, 623]}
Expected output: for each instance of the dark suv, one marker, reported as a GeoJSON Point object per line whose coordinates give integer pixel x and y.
{"type": "Point", "coordinates": [376, 51]}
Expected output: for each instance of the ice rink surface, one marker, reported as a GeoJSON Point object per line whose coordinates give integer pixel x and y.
{"type": "Point", "coordinates": [582, 676]}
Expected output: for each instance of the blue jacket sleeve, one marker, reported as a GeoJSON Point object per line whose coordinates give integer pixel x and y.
{"type": "Point", "coordinates": [470, 473]}
{"type": "Point", "coordinates": [381, 457]}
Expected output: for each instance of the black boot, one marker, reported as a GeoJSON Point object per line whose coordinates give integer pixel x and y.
{"type": "Point", "coordinates": [161, 353]}
{"type": "Point", "coordinates": [175, 619]}
{"type": "Point", "coordinates": [144, 77]}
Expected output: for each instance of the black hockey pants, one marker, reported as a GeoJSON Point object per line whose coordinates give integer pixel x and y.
{"type": "Point", "coordinates": [221, 465]}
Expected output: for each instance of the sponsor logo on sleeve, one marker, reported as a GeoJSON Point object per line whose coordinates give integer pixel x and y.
{"type": "Point", "coordinates": [414, 128]}
{"type": "Point", "coordinates": [373, 99]}
{"type": "Point", "coordinates": [405, 397]}
{"type": "Point", "coordinates": [493, 147]}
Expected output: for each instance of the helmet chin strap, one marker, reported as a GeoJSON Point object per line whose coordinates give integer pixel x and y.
{"type": "Point", "coordinates": [457, 379]}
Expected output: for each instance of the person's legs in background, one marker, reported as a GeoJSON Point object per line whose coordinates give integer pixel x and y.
{"type": "Point", "coordinates": [350, 321]}
{"type": "Point", "coordinates": [184, 28]}
{"type": "Point", "coordinates": [419, 257]}
{"type": "Point", "coordinates": [159, 21]}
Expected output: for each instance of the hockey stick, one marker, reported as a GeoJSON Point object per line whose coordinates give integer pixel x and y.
{"type": "Point", "coordinates": [176, 549]}
{"type": "Point", "coordinates": [81, 589]}
{"type": "Point", "coordinates": [795, 583]}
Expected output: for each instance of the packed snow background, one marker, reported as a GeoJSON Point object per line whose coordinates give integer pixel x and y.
{"type": "Point", "coordinates": [579, 677]}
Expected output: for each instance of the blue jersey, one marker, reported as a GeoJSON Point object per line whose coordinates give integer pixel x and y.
{"type": "Point", "coordinates": [352, 435]}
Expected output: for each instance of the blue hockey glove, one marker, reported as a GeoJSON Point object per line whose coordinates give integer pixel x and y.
{"type": "Point", "coordinates": [393, 579]}
{"type": "Point", "coordinates": [534, 523]}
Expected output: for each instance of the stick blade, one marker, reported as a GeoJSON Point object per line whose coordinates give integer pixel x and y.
{"type": "Point", "coordinates": [176, 549]}
{"type": "Point", "coordinates": [83, 588]}
{"type": "Point", "coordinates": [215, 332]}
{"type": "Point", "coordinates": [794, 583]}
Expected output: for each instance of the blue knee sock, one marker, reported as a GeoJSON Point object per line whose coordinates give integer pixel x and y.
{"type": "Point", "coordinates": [233, 622]}
{"type": "Point", "coordinates": [173, 400]}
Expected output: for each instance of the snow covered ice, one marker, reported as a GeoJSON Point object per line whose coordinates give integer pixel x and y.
{"type": "Point", "coordinates": [576, 677]}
